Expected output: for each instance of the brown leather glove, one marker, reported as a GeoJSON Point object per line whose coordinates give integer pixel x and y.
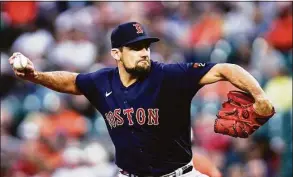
{"type": "Point", "coordinates": [237, 117]}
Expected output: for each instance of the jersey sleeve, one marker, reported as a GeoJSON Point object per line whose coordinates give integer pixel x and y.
{"type": "Point", "coordinates": [85, 84]}
{"type": "Point", "coordinates": [186, 75]}
{"type": "Point", "coordinates": [196, 71]}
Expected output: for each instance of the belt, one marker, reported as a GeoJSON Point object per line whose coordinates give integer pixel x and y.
{"type": "Point", "coordinates": [180, 171]}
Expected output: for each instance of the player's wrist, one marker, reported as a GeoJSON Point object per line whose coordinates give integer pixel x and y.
{"type": "Point", "coordinates": [35, 77]}
{"type": "Point", "coordinates": [258, 94]}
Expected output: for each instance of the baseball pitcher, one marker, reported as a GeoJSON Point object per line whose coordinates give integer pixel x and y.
{"type": "Point", "coordinates": [146, 104]}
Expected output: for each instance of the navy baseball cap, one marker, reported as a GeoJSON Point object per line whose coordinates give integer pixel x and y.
{"type": "Point", "coordinates": [128, 33]}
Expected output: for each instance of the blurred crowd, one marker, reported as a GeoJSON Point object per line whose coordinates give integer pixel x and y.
{"type": "Point", "coordinates": [48, 134]}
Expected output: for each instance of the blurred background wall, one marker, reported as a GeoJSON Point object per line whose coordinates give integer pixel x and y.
{"type": "Point", "coordinates": [48, 134]}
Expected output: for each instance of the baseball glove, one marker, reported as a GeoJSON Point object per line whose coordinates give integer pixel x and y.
{"type": "Point", "coordinates": [237, 116]}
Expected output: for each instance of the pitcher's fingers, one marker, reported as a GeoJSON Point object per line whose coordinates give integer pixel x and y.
{"type": "Point", "coordinates": [29, 68]}
{"type": "Point", "coordinates": [11, 60]}
{"type": "Point", "coordinates": [20, 74]}
{"type": "Point", "coordinates": [30, 73]}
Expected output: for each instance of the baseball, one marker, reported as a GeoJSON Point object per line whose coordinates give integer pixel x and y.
{"type": "Point", "coordinates": [20, 62]}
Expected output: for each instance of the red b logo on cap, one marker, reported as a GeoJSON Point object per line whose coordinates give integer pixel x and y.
{"type": "Point", "coordinates": [138, 28]}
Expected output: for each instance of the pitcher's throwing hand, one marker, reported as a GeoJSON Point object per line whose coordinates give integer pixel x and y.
{"type": "Point", "coordinates": [22, 66]}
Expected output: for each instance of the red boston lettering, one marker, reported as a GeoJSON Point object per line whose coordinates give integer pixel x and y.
{"type": "Point", "coordinates": [115, 119]}
{"type": "Point", "coordinates": [140, 116]}
{"type": "Point", "coordinates": [153, 116]}
{"type": "Point", "coordinates": [128, 113]}
{"type": "Point", "coordinates": [119, 119]}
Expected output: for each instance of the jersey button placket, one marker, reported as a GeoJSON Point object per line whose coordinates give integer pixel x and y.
{"type": "Point", "coordinates": [125, 101]}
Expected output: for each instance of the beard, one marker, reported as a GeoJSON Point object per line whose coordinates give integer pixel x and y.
{"type": "Point", "coordinates": [138, 71]}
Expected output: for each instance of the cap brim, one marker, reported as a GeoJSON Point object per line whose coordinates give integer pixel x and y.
{"type": "Point", "coordinates": [143, 38]}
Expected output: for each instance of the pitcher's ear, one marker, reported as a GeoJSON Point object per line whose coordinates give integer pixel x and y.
{"type": "Point", "coordinates": [116, 53]}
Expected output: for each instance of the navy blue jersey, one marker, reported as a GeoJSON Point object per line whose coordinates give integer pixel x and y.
{"type": "Point", "coordinates": [149, 121]}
